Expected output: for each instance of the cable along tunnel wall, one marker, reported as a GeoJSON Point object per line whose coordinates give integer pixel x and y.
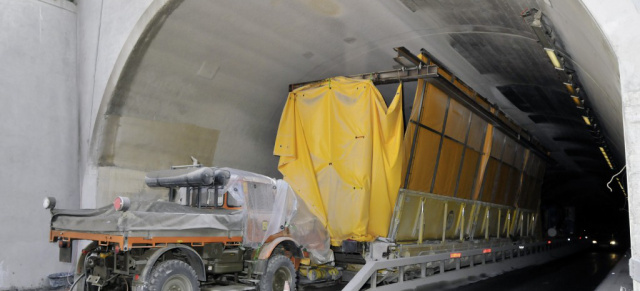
{"type": "Point", "coordinates": [463, 176]}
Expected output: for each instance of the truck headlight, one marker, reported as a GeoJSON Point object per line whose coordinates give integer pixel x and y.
{"type": "Point", "coordinates": [595, 242]}
{"type": "Point", "coordinates": [49, 203]}
{"type": "Point", "coordinates": [613, 242]}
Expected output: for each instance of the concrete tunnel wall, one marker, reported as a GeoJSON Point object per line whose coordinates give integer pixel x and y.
{"type": "Point", "coordinates": [55, 60]}
{"type": "Point", "coordinates": [39, 125]}
{"type": "Point", "coordinates": [87, 114]}
{"type": "Point", "coordinates": [619, 21]}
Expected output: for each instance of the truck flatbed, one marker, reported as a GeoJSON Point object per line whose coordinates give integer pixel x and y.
{"type": "Point", "coordinates": [148, 224]}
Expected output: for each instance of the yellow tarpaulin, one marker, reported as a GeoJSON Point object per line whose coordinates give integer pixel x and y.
{"type": "Point", "coordinates": [340, 149]}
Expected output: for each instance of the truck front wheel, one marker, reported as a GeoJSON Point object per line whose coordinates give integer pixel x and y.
{"type": "Point", "coordinates": [174, 275]}
{"type": "Point", "coordinates": [279, 272]}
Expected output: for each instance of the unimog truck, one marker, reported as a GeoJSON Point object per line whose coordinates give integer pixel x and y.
{"type": "Point", "coordinates": [218, 227]}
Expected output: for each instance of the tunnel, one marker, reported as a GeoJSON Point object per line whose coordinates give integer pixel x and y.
{"type": "Point", "coordinates": [153, 84]}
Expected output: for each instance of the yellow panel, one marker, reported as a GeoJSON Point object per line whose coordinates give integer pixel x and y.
{"type": "Point", "coordinates": [514, 188]}
{"type": "Point", "coordinates": [532, 165]}
{"type": "Point", "coordinates": [476, 133]}
{"type": "Point", "coordinates": [525, 191]}
{"type": "Point", "coordinates": [469, 169]}
{"type": "Point", "coordinates": [535, 196]}
{"type": "Point", "coordinates": [434, 217]}
{"type": "Point", "coordinates": [435, 105]}
{"type": "Point", "coordinates": [510, 188]}
{"type": "Point", "coordinates": [406, 144]}
{"type": "Point", "coordinates": [457, 121]}
{"type": "Point", "coordinates": [509, 151]}
{"type": "Point", "coordinates": [424, 161]}
{"type": "Point", "coordinates": [493, 220]}
{"type": "Point", "coordinates": [488, 181]}
{"type": "Point", "coordinates": [408, 222]}
{"type": "Point", "coordinates": [519, 161]}
{"type": "Point", "coordinates": [453, 209]}
{"type": "Point", "coordinates": [416, 101]}
{"type": "Point", "coordinates": [448, 168]}
{"type": "Point", "coordinates": [503, 183]}
{"type": "Point", "coordinates": [498, 144]}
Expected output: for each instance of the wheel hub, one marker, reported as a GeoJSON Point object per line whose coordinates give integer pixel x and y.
{"type": "Point", "coordinates": [281, 276]}
{"type": "Point", "coordinates": [177, 283]}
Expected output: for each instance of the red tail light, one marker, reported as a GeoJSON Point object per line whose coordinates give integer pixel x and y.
{"type": "Point", "coordinates": [63, 244]}
{"type": "Point", "coordinates": [121, 203]}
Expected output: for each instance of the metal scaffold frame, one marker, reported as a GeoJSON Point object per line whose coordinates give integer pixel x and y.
{"type": "Point", "coordinates": [493, 261]}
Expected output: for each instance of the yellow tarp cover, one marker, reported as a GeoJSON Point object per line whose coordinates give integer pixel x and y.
{"type": "Point", "coordinates": [340, 149]}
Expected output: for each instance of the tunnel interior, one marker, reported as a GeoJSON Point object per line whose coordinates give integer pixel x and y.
{"type": "Point", "coordinates": [210, 81]}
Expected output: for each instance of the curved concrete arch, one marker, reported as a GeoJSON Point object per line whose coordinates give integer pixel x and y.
{"type": "Point", "coordinates": [148, 24]}
{"type": "Point", "coordinates": [209, 79]}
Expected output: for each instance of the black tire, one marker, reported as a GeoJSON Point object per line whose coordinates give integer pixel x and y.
{"type": "Point", "coordinates": [173, 275]}
{"type": "Point", "coordinates": [279, 270]}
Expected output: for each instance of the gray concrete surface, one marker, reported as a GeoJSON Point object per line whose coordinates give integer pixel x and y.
{"type": "Point", "coordinates": [619, 21]}
{"type": "Point", "coordinates": [39, 134]}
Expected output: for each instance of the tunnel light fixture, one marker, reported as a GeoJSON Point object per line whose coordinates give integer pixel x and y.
{"type": "Point", "coordinates": [570, 88]}
{"type": "Point", "coordinates": [606, 157]}
{"type": "Point", "coordinates": [586, 120]}
{"type": "Point", "coordinates": [577, 101]}
{"type": "Point", "coordinates": [551, 53]}
{"type": "Point", "coordinates": [621, 188]}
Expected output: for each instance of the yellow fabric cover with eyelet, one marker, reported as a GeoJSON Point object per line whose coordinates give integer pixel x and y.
{"type": "Point", "coordinates": [340, 149]}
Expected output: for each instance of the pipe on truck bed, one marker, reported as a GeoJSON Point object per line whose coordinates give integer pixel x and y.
{"type": "Point", "coordinates": [190, 177]}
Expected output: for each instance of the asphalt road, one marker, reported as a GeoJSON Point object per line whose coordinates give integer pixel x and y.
{"type": "Point", "coordinates": [582, 271]}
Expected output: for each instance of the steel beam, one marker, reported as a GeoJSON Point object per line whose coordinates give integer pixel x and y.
{"type": "Point", "coordinates": [387, 77]}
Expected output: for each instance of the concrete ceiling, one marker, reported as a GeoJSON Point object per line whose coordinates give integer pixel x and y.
{"type": "Point", "coordinates": [211, 78]}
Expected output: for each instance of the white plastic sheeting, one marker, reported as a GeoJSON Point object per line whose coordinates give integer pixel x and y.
{"type": "Point", "coordinates": [271, 206]}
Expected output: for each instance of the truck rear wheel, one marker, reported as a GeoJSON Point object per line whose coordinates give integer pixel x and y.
{"type": "Point", "coordinates": [279, 271]}
{"type": "Point", "coordinates": [173, 275]}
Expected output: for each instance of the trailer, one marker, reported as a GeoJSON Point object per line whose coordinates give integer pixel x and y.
{"type": "Point", "coordinates": [468, 188]}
